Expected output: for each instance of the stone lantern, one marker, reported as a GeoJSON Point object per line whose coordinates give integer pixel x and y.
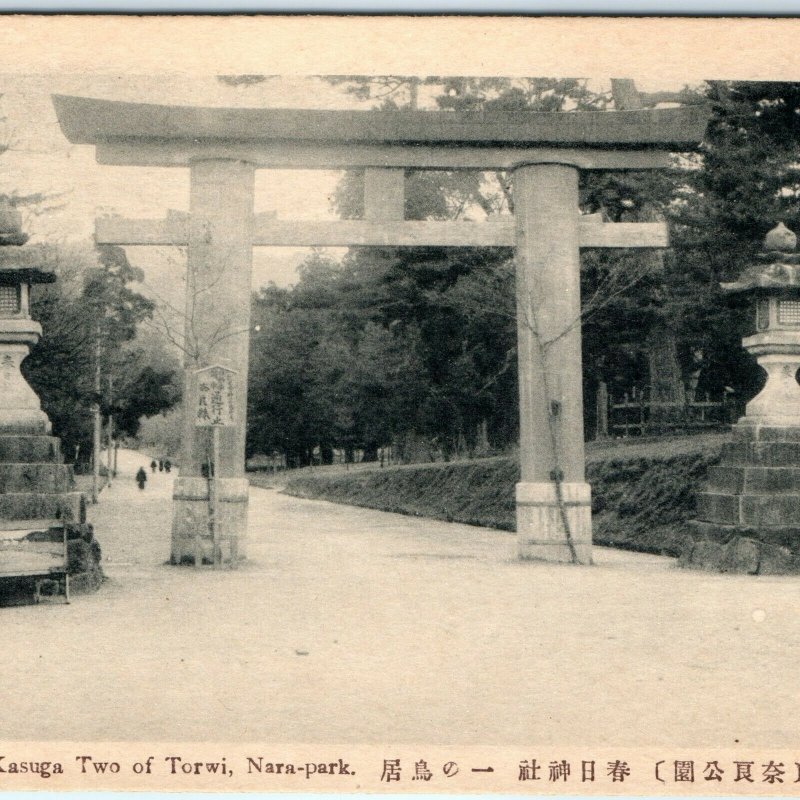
{"type": "Point", "coordinates": [748, 516]}
{"type": "Point", "coordinates": [20, 411]}
{"type": "Point", "coordinates": [774, 284]}
{"type": "Point", "coordinates": [41, 512]}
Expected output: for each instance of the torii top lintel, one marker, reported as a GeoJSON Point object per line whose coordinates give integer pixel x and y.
{"type": "Point", "coordinates": [149, 134]}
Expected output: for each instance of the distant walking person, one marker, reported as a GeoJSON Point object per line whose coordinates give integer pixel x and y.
{"type": "Point", "coordinates": [167, 465]}
{"type": "Point", "coordinates": [160, 464]}
{"type": "Point", "coordinates": [141, 477]}
{"type": "Point", "coordinates": [153, 465]}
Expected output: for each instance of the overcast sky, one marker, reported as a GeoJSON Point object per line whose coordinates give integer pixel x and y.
{"type": "Point", "coordinates": [41, 160]}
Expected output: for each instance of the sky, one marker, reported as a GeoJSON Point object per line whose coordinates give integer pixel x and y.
{"type": "Point", "coordinates": [40, 159]}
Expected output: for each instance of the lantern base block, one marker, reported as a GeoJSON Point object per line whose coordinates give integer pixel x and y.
{"type": "Point", "coordinates": [743, 551]}
{"type": "Point", "coordinates": [191, 530]}
{"type": "Point", "coordinates": [14, 422]}
{"type": "Point", "coordinates": [21, 411]}
{"type": "Point", "coordinates": [777, 424]}
{"type": "Point", "coordinates": [778, 403]}
{"type": "Point", "coordinates": [748, 515]}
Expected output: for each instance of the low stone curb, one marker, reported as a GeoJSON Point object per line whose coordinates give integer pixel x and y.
{"type": "Point", "coordinates": [742, 555]}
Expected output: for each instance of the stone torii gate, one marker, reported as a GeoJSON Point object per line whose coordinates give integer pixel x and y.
{"type": "Point", "coordinates": [222, 148]}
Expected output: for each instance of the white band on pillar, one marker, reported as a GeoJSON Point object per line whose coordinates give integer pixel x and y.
{"type": "Point", "coordinates": [546, 494]}
{"type": "Point", "coordinates": [541, 533]}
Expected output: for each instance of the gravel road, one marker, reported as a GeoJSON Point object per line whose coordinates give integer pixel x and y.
{"type": "Point", "coordinates": [353, 625]}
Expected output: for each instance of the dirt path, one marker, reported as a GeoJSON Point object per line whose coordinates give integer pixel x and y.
{"type": "Point", "coordinates": [355, 625]}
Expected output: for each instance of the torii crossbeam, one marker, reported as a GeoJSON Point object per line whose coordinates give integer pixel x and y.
{"type": "Point", "coordinates": [223, 147]}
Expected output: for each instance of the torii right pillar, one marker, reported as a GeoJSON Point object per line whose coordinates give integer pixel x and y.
{"type": "Point", "coordinates": [553, 499]}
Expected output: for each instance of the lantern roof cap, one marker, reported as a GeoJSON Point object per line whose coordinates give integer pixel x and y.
{"type": "Point", "coordinates": [779, 277]}
{"type": "Point", "coordinates": [24, 265]}
{"type": "Point", "coordinates": [777, 270]}
{"type": "Point", "coordinates": [780, 240]}
{"type": "Point", "coordinates": [11, 232]}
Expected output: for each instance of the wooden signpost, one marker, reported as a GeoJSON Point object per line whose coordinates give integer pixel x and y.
{"type": "Point", "coordinates": [215, 408]}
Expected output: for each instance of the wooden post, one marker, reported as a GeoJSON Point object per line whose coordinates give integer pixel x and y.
{"type": "Point", "coordinates": [234, 546]}
{"type": "Point", "coordinates": [626, 430]}
{"type": "Point", "coordinates": [601, 431]}
{"type": "Point", "coordinates": [218, 320]}
{"type": "Point", "coordinates": [642, 425]}
{"type": "Point", "coordinates": [384, 202]}
{"type": "Point", "coordinates": [553, 499]}
{"type": "Point", "coordinates": [97, 432]}
{"type": "Point", "coordinates": [66, 564]}
{"type": "Point", "coordinates": [110, 435]}
{"type": "Point", "coordinates": [384, 194]}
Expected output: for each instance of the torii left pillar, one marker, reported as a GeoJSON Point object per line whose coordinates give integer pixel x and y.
{"type": "Point", "coordinates": [217, 324]}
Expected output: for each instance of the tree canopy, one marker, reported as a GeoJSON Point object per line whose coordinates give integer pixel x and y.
{"type": "Point", "coordinates": [90, 318]}
{"type": "Point", "coordinates": [390, 345]}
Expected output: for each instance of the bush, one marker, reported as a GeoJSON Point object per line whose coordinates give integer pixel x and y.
{"type": "Point", "coordinates": [645, 504]}
{"type": "Point", "coordinates": [477, 492]}
{"type": "Point", "coordinates": [84, 558]}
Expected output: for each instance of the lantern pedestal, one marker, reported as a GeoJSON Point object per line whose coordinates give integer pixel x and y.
{"type": "Point", "coordinates": [21, 411]}
{"type": "Point", "coordinates": [778, 403]}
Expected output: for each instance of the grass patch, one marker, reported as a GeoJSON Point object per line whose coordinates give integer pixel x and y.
{"type": "Point", "coordinates": [479, 492]}
{"type": "Point", "coordinates": [645, 504]}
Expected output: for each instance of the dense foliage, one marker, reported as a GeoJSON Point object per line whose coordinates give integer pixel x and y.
{"type": "Point", "coordinates": [90, 317]}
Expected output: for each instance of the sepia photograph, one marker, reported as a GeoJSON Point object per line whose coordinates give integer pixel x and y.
{"type": "Point", "coordinates": [399, 430]}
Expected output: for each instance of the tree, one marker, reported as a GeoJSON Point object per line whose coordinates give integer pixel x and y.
{"type": "Point", "coordinates": [281, 414]}
{"type": "Point", "coordinates": [60, 367]}
{"type": "Point", "coordinates": [654, 320]}
{"type": "Point", "coordinates": [162, 432]}
{"type": "Point", "coordinates": [746, 179]}
{"type": "Point", "coordinates": [357, 358]}
{"type": "Point", "coordinates": [469, 352]}
{"type": "Point", "coordinates": [90, 319]}
{"type": "Point", "coordinates": [719, 204]}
